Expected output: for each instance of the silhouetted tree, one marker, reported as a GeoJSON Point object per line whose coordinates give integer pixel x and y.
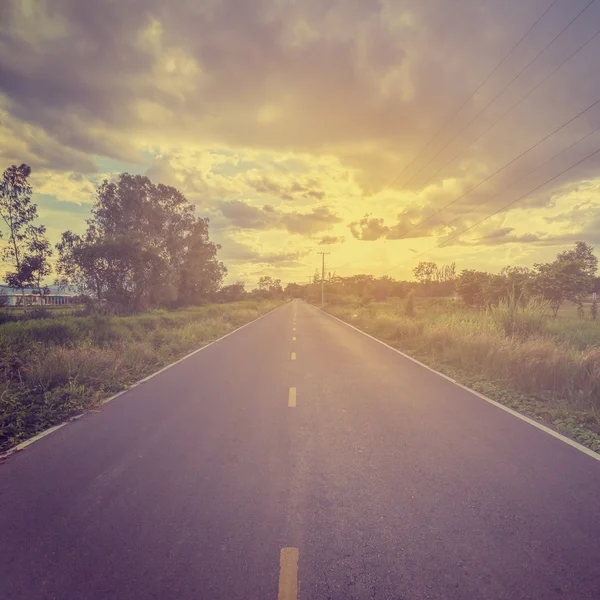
{"type": "Point", "coordinates": [232, 293]}
{"type": "Point", "coordinates": [27, 247]}
{"type": "Point", "coordinates": [143, 246]}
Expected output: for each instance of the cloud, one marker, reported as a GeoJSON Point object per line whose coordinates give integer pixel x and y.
{"type": "Point", "coordinates": [245, 216]}
{"type": "Point", "coordinates": [369, 229]}
{"type": "Point", "coordinates": [238, 253]}
{"type": "Point", "coordinates": [331, 239]}
{"type": "Point", "coordinates": [317, 220]}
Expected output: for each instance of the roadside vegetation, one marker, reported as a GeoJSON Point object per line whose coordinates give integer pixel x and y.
{"type": "Point", "coordinates": [54, 368]}
{"type": "Point", "coordinates": [529, 339]}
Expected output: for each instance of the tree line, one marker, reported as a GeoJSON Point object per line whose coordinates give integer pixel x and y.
{"type": "Point", "coordinates": [571, 277]}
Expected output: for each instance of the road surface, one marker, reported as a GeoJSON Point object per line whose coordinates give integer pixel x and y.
{"type": "Point", "coordinates": [378, 478]}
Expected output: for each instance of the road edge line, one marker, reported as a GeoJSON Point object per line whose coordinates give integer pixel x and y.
{"type": "Point", "coordinates": [43, 434]}
{"type": "Point", "coordinates": [511, 411]}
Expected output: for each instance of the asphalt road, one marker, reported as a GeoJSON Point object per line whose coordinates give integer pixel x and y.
{"type": "Point", "coordinates": [390, 481]}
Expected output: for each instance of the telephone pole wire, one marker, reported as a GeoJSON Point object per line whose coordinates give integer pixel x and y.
{"type": "Point", "coordinates": [323, 277]}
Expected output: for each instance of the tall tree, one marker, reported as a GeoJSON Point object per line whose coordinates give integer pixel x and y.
{"type": "Point", "coordinates": [561, 280]}
{"type": "Point", "coordinates": [144, 246]}
{"type": "Point", "coordinates": [233, 292]}
{"type": "Point", "coordinates": [472, 286]}
{"type": "Point", "coordinates": [583, 253]}
{"type": "Point", "coordinates": [36, 261]}
{"type": "Point", "coordinates": [570, 277]}
{"type": "Point", "coordinates": [27, 247]}
{"type": "Point", "coordinates": [424, 272]}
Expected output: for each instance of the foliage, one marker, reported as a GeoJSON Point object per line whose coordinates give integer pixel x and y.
{"type": "Point", "coordinates": [594, 309]}
{"type": "Point", "coordinates": [434, 280]}
{"type": "Point", "coordinates": [232, 293]}
{"type": "Point", "coordinates": [582, 253]}
{"type": "Point", "coordinates": [471, 286]}
{"type": "Point", "coordinates": [561, 280]}
{"type": "Point", "coordinates": [268, 287]}
{"type": "Point", "coordinates": [143, 247]}
{"type": "Point", "coordinates": [424, 272]}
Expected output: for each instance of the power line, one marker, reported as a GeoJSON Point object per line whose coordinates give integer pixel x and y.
{"type": "Point", "coordinates": [437, 212]}
{"type": "Point", "coordinates": [494, 123]}
{"type": "Point", "coordinates": [501, 91]}
{"type": "Point", "coordinates": [505, 206]}
{"type": "Point", "coordinates": [587, 135]}
{"type": "Point", "coordinates": [485, 80]}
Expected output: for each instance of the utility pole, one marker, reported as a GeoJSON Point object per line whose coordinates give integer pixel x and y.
{"type": "Point", "coordinates": [323, 277]}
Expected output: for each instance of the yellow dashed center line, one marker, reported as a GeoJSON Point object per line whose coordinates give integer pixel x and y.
{"type": "Point", "coordinates": [288, 574]}
{"type": "Point", "coordinates": [293, 338]}
{"type": "Point", "coordinates": [293, 356]}
{"type": "Point", "coordinates": [292, 398]}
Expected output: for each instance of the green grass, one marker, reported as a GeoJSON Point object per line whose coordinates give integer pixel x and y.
{"type": "Point", "coordinates": [52, 369]}
{"type": "Point", "coordinates": [546, 368]}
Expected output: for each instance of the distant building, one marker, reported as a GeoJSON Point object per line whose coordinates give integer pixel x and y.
{"type": "Point", "coordinates": [15, 297]}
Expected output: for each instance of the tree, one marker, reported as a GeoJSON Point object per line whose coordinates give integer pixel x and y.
{"type": "Point", "coordinates": [36, 260]}
{"type": "Point", "coordinates": [570, 277]}
{"type": "Point", "coordinates": [585, 254]}
{"type": "Point", "coordinates": [424, 272]}
{"type": "Point", "coordinates": [295, 290]}
{"type": "Point", "coordinates": [269, 287]}
{"type": "Point", "coordinates": [471, 286]}
{"type": "Point", "coordinates": [445, 273]}
{"type": "Point", "coordinates": [27, 247]}
{"type": "Point", "coordinates": [233, 292]}
{"type": "Point", "coordinates": [559, 281]}
{"type": "Point", "coordinates": [143, 246]}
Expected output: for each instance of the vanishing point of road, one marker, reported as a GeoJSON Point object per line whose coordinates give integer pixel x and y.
{"type": "Point", "coordinates": [299, 458]}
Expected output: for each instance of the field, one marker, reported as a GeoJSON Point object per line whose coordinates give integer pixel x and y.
{"type": "Point", "coordinates": [58, 367]}
{"type": "Point", "coordinates": [546, 368]}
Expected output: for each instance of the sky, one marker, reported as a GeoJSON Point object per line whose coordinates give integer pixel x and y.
{"type": "Point", "coordinates": [376, 130]}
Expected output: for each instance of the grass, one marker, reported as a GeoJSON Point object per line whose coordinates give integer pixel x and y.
{"type": "Point", "coordinates": [546, 368]}
{"type": "Point", "coordinates": [52, 369]}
